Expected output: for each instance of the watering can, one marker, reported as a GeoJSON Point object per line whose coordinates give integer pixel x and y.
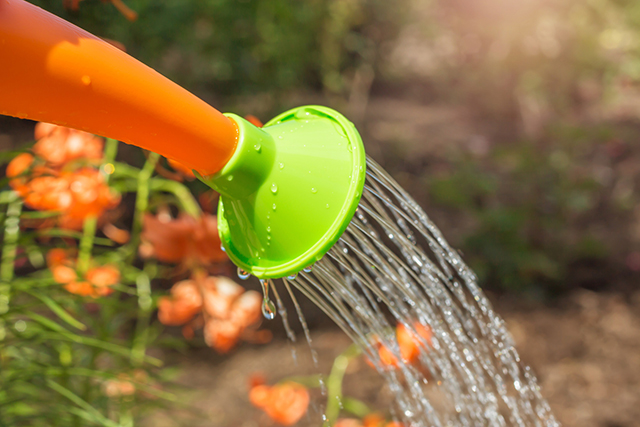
{"type": "Point", "coordinates": [288, 190]}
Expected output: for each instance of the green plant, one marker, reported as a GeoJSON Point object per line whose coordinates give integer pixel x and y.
{"type": "Point", "coordinates": [81, 275]}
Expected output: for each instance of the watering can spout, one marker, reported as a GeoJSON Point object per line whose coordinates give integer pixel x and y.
{"type": "Point", "coordinates": [55, 72]}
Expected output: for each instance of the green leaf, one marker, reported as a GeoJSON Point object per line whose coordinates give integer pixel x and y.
{"type": "Point", "coordinates": [113, 348]}
{"type": "Point", "coordinates": [84, 410]}
{"type": "Point", "coordinates": [47, 323]}
{"type": "Point", "coordinates": [38, 214]}
{"type": "Point", "coordinates": [355, 407]}
{"type": "Point", "coordinates": [56, 232]}
{"type": "Point", "coordinates": [59, 311]}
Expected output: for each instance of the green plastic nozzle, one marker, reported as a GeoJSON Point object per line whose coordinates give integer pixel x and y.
{"type": "Point", "coordinates": [289, 191]}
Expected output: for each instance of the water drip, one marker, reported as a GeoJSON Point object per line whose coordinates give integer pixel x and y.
{"type": "Point", "coordinates": [243, 275]}
{"type": "Point", "coordinates": [268, 307]}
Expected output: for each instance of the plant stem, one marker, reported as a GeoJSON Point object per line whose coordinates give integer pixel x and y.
{"type": "Point", "coordinates": [334, 384]}
{"type": "Point", "coordinates": [182, 193]}
{"type": "Point", "coordinates": [91, 223]}
{"type": "Point", "coordinates": [110, 150]}
{"type": "Point", "coordinates": [86, 244]}
{"type": "Point", "coordinates": [143, 286]}
{"type": "Point", "coordinates": [9, 250]}
{"type": "Point", "coordinates": [7, 266]}
{"type": "Point", "coordinates": [142, 202]}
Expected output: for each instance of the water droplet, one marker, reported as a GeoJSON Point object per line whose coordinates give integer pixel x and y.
{"type": "Point", "coordinates": [327, 206]}
{"type": "Point", "coordinates": [279, 136]}
{"type": "Point", "coordinates": [268, 237]}
{"type": "Point", "coordinates": [292, 276]}
{"type": "Point", "coordinates": [274, 188]}
{"type": "Point", "coordinates": [268, 307]}
{"type": "Point", "coordinates": [308, 269]}
{"type": "Point", "coordinates": [243, 275]}
{"type": "Point", "coordinates": [222, 248]}
{"type": "Point", "coordinates": [230, 178]}
{"type": "Point", "coordinates": [268, 229]}
{"type": "Point", "coordinates": [257, 147]}
{"type": "Point", "coordinates": [314, 191]}
{"type": "Point", "coordinates": [274, 206]}
{"type": "Point", "coordinates": [281, 165]}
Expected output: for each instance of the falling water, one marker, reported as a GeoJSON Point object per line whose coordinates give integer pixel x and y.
{"type": "Point", "coordinates": [380, 274]}
{"type": "Point", "coordinates": [268, 308]}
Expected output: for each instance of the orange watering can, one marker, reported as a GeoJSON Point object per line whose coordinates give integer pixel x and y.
{"type": "Point", "coordinates": [288, 190]}
{"type": "Point", "coordinates": [55, 72]}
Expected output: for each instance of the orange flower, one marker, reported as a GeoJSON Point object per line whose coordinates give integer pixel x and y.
{"type": "Point", "coordinates": [56, 256]}
{"type": "Point", "coordinates": [247, 309]}
{"type": "Point", "coordinates": [409, 343]}
{"type": "Point", "coordinates": [58, 145]}
{"type": "Point", "coordinates": [219, 295]}
{"type": "Point", "coordinates": [89, 196]}
{"type": "Point", "coordinates": [184, 239]}
{"type": "Point", "coordinates": [285, 403]}
{"type": "Point", "coordinates": [116, 234]}
{"type": "Point", "coordinates": [228, 312]}
{"type": "Point", "coordinates": [75, 195]}
{"type": "Point", "coordinates": [19, 164]}
{"type": "Point", "coordinates": [97, 281]}
{"type": "Point", "coordinates": [102, 278]}
{"type": "Point", "coordinates": [82, 288]}
{"type": "Point", "coordinates": [221, 335]}
{"type": "Point", "coordinates": [185, 302]}
{"type": "Point", "coordinates": [63, 274]}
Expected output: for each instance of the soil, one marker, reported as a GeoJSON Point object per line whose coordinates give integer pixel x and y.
{"type": "Point", "coordinates": [585, 351]}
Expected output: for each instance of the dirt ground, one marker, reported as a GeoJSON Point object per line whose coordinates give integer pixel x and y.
{"type": "Point", "coordinates": [585, 351]}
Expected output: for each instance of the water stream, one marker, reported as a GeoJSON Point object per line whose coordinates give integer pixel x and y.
{"type": "Point", "coordinates": [392, 266]}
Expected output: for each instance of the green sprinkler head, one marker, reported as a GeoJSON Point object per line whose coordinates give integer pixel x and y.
{"type": "Point", "coordinates": [289, 191]}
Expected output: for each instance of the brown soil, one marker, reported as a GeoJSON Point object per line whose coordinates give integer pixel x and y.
{"type": "Point", "coordinates": [585, 351]}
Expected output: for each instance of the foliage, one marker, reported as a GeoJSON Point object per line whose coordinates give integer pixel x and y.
{"type": "Point", "coordinates": [539, 210]}
{"type": "Point", "coordinates": [81, 275]}
{"type": "Point", "coordinates": [247, 46]}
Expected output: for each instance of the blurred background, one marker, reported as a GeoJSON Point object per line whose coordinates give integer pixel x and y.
{"type": "Point", "coordinates": [515, 125]}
